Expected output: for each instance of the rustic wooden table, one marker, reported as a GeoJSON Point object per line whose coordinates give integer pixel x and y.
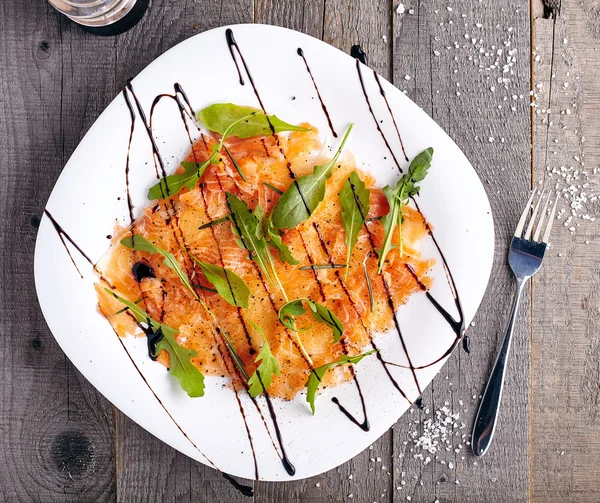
{"type": "Point", "coordinates": [61, 441]}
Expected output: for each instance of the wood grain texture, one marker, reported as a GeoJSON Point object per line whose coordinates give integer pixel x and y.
{"type": "Point", "coordinates": [57, 431]}
{"type": "Point", "coordinates": [566, 315]}
{"type": "Point", "coordinates": [448, 74]}
{"type": "Point", "coordinates": [62, 441]}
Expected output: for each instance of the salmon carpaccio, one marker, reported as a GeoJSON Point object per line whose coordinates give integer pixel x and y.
{"type": "Point", "coordinates": [174, 225]}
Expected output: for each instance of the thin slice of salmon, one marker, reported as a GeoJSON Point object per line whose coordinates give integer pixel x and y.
{"type": "Point", "coordinates": [181, 225]}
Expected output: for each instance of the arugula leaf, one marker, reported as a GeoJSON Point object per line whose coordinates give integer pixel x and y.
{"type": "Point", "coordinates": [303, 196]}
{"type": "Point", "coordinates": [140, 243]}
{"type": "Point", "coordinates": [355, 202]}
{"type": "Point", "coordinates": [398, 197]}
{"type": "Point", "coordinates": [320, 313]}
{"type": "Point", "coordinates": [180, 366]}
{"type": "Point", "coordinates": [269, 366]}
{"type": "Point", "coordinates": [220, 116]}
{"type": "Point", "coordinates": [316, 375]}
{"type": "Point", "coordinates": [235, 164]}
{"type": "Point", "coordinates": [248, 226]}
{"type": "Point", "coordinates": [289, 311]}
{"type": "Point", "coordinates": [274, 236]}
{"type": "Point", "coordinates": [229, 285]}
{"type": "Point", "coordinates": [170, 185]}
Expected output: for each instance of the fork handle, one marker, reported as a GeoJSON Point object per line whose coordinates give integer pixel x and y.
{"type": "Point", "coordinates": [485, 422]}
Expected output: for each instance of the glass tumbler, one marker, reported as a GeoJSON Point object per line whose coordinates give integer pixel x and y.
{"type": "Point", "coordinates": [104, 17]}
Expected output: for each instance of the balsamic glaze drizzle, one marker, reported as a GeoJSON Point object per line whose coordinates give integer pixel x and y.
{"type": "Point", "coordinates": [458, 326]}
{"type": "Point", "coordinates": [364, 89]}
{"type": "Point", "coordinates": [155, 151]}
{"type": "Point", "coordinates": [185, 108]}
{"type": "Point", "coordinates": [63, 235]}
{"type": "Point", "coordinates": [357, 52]}
{"type": "Point", "coordinates": [231, 43]}
{"type": "Point", "coordinates": [132, 115]}
{"type": "Point", "coordinates": [141, 270]}
{"type": "Point", "coordinates": [365, 426]}
{"type": "Point", "coordinates": [301, 54]}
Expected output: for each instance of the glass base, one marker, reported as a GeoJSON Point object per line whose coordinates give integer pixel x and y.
{"type": "Point", "coordinates": [124, 20]}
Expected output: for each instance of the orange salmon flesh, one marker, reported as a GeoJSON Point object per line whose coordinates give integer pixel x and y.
{"type": "Point", "coordinates": [173, 224]}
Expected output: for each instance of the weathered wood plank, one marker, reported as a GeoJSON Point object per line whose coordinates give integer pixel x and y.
{"type": "Point", "coordinates": [449, 76]}
{"type": "Point", "coordinates": [147, 469]}
{"type": "Point", "coordinates": [566, 321]}
{"type": "Point", "coordinates": [344, 24]}
{"type": "Point", "coordinates": [57, 431]}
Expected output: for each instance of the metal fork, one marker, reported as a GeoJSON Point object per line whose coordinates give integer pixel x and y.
{"type": "Point", "coordinates": [525, 258]}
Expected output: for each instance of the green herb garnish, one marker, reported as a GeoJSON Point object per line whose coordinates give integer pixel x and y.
{"type": "Point", "coordinates": [180, 366]}
{"type": "Point", "coordinates": [140, 243]}
{"type": "Point", "coordinates": [355, 202]}
{"type": "Point", "coordinates": [170, 185]}
{"type": "Point", "coordinates": [303, 196]}
{"type": "Point", "coordinates": [269, 366]}
{"type": "Point", "coordinates": [321, 266]}
{"type": "Point", "coordinates": [229, 285]}
{"type": "Point", "coordinates": [248, 121]}
{"type": "Point", "coordinates": [275, 239]}
{"type": "Point", "coordinates": [320, 313]}
{"type": "Point", "coordinates": [235, 164]}
{"type": "Point", "coordinates": [368, 280]}
{"type": "Point", "coordinates": [316, 375]}
{"type": "Point", "coordinates": [398, 197]}
{"type": "Point", "coordinates": [213, 223]}
{"type": "Point", "coordinates": [248, 227]}
{"type": "Point", "coordinates": [273, 188]}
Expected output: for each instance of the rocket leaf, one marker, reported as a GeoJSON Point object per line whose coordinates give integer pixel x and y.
{"type": "Point", "coordinates": [316, 375]}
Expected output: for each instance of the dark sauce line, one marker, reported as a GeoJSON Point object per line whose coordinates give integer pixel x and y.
{"type": "Point", "coordinates": [357, 52]}
{"type": "Point", "coordinates": [214, 235]}
{"type": "Point", "coordinates": [63, 235]}
{"type": "Point", "coordinates": [365, 426]}
{"type": "Point", "coordinates": [155, 151]}
{"type": "Point", "coordinates": [155, 337]}
{"type": "Point", "coordinates": [289, 467]}
{"type": "Point", "coordinates": [158, 399]}
{"type": "Point", "coordinates": [457, 326]}
{"type": "Point", "coordinates": [239, 402]}
{"type": "Point", "coordinates": [132, 115]}
{"type": "Point", "coordinates": [382, 91]}
{"type": "Point", "coordinates": [156, 155]}
{"type": "Point", "coordinates": [301, 54]}
{"type": "Point", "coordinates": [347, 292]}
{"type": "Point", "coordinates": [245, 490]}
{"type": "Point", "coordinates": [231, 42]}
{"type": "Point", "coordinates": [364, 89]}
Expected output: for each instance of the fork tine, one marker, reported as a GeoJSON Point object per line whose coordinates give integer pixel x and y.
{"type": "Point", "coordinates": [549, 226]}
{"type": "Point", "coordinates": [521, 224]}
{"type": "Point", "coordinates": [533, 215]}
{"type": "Point", "coordinates": [538, 227]}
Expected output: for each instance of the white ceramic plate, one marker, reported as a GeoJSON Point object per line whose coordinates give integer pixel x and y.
{"type": "Point", "coordinates": [85, 203]}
